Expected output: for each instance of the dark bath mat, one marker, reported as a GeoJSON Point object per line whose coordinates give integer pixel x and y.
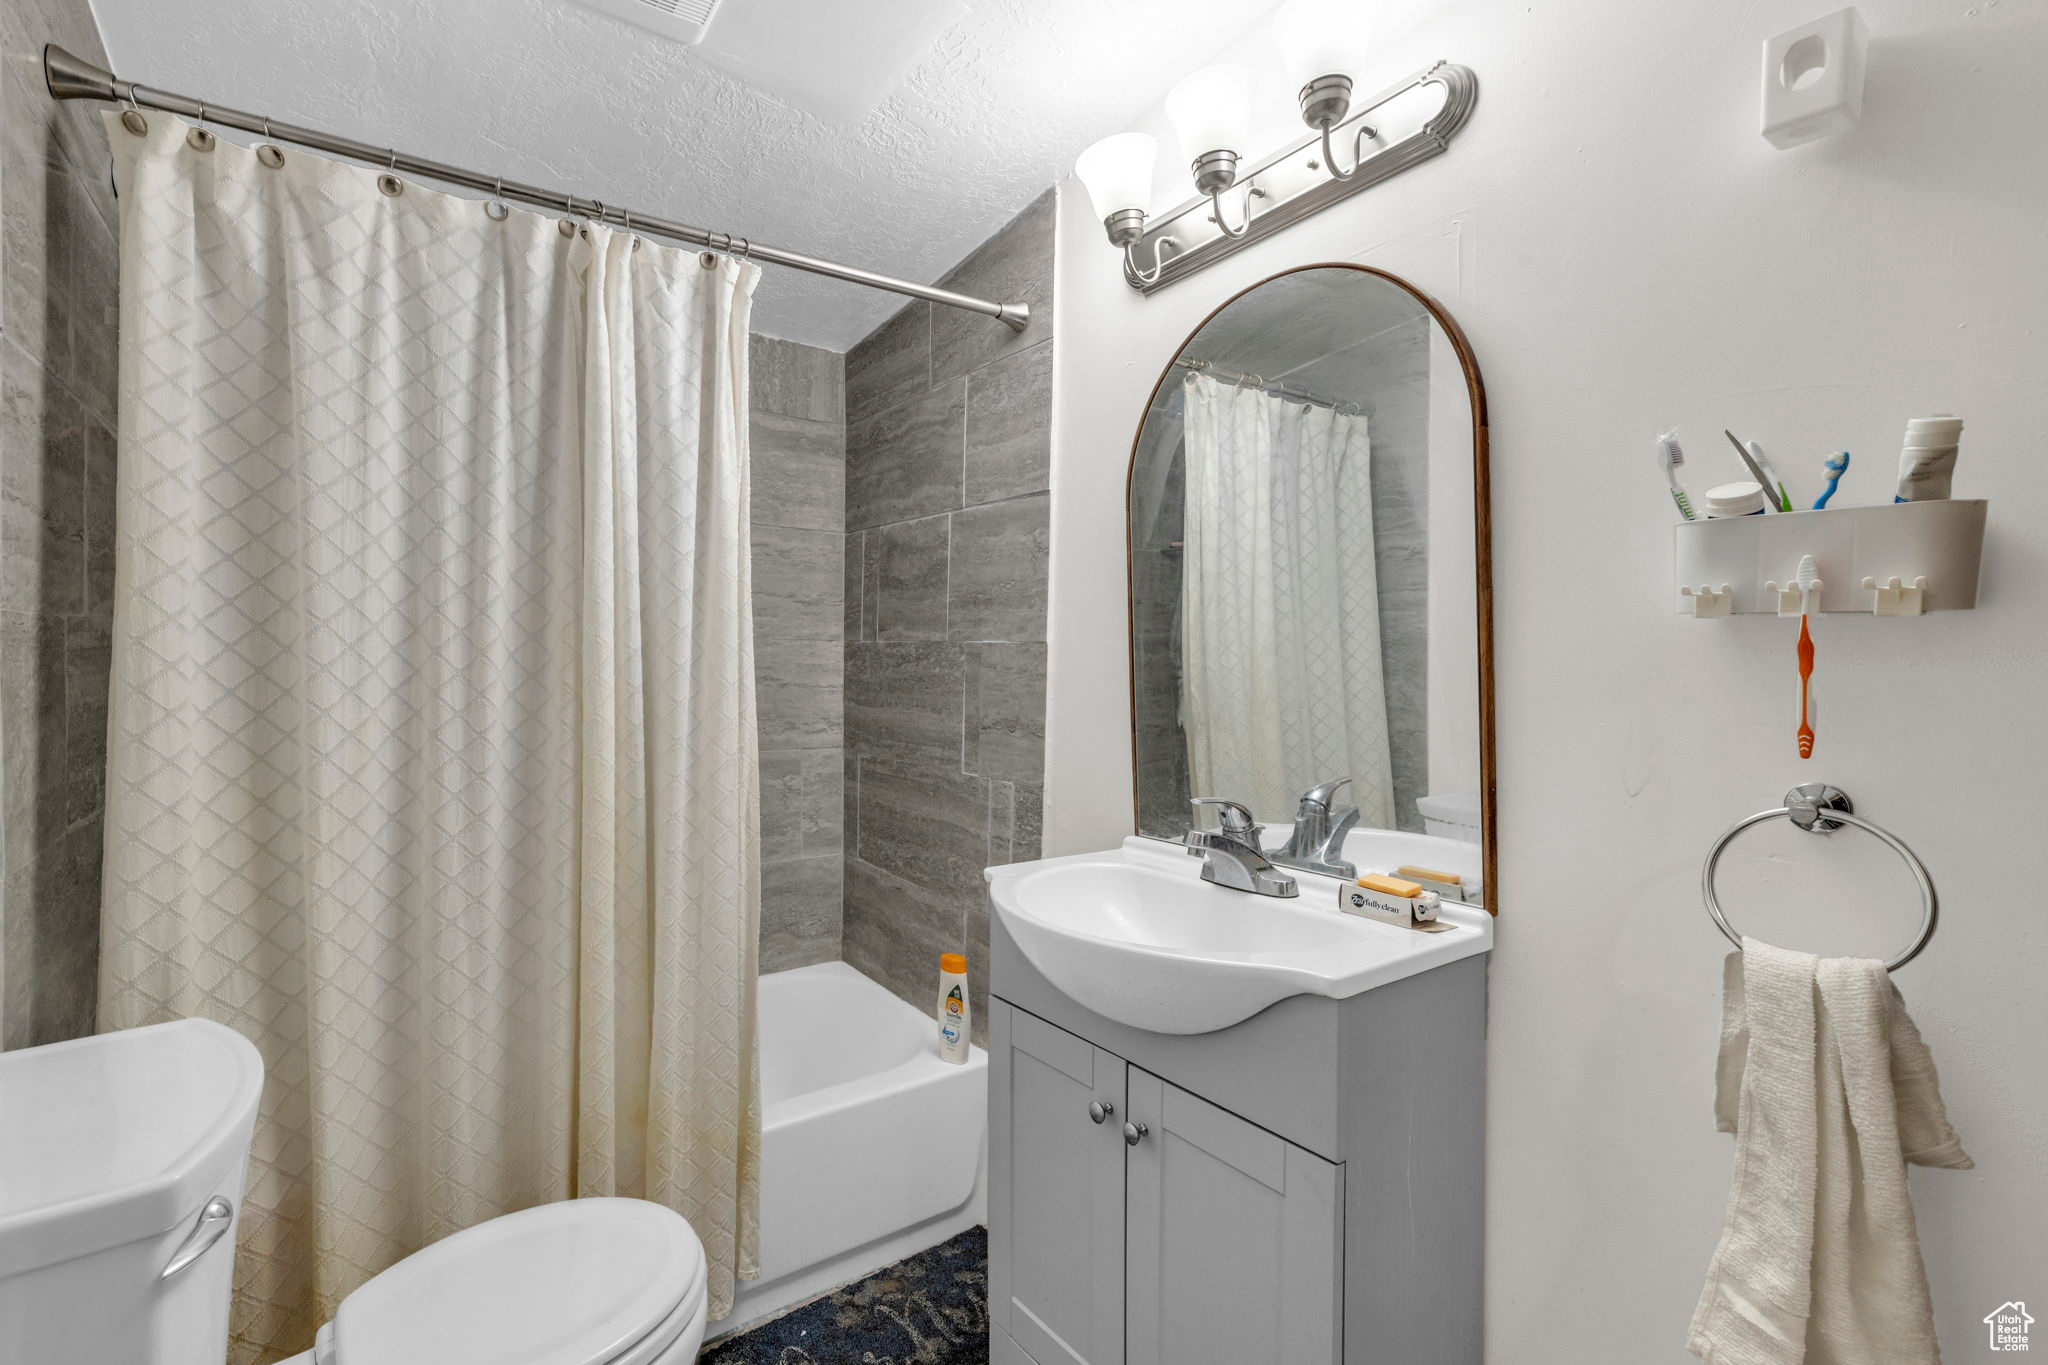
{"type": "Point", "coordinates": [929, 1310]}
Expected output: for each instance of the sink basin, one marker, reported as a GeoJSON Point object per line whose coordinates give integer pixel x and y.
{"type": "Point", "coordinates": [1136, 935]}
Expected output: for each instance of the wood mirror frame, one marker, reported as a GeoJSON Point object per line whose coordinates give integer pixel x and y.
{"type": "Point", "coordinates": [1482, 540]}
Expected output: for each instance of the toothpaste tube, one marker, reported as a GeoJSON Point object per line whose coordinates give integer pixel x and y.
{"type": "Point", "coordinates": [1927, 464]}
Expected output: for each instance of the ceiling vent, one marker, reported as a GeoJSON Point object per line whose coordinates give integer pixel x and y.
{"type": "Point", "coordinates": [682, 20]}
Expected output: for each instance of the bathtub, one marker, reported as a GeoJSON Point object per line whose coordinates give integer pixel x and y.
{"type": "Point", "coordinates": [872, 1148]}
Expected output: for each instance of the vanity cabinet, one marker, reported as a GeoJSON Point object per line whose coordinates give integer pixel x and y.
{"type": "Point", "coordinates": [1233, 1237]}
{"type": "Point", "coordinates": [1061, 1100]}
{"type": "Point", "coordinates": [1303, 1187]}
{"type": "Point", "coordinates": [1143, 1224]}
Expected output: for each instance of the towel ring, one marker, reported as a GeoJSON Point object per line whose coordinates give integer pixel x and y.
{"type": "Point", "coordinates": [1818, 808]}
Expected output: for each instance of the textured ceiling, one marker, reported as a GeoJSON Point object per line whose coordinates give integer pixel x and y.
{"type": "Point", "coordinates": [548, 92]}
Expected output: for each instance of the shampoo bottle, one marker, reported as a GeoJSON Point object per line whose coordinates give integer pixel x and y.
{"type": "Point", "coordinates": [953, 1025]}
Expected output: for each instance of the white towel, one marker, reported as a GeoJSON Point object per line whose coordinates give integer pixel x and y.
{"type": "Point", "coordinates": [1829, 1091]}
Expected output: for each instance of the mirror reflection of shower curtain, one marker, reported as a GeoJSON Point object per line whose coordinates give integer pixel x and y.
{"type": "Point", "coordinates": [1282, 681]}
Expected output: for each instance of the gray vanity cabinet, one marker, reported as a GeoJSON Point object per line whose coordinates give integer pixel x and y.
{"type": "Point", "coordinates": [1235, 1238]}
{"type": "Point", "coordinates": [1132, 1221]}
{"type": "Point", "coordinates": [1304, 1187]}
{"type": "Point", "coordinates": [1059, 1290]}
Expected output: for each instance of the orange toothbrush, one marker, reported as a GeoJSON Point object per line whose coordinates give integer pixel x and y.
{"type": "Point", "coordinates": [1809, 580]}
{"type": "Point", "coordinates": [1805, 677]}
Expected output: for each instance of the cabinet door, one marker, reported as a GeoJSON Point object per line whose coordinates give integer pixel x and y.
{"type": "Point", "coordinates": [1056, 1191]}
{"type": "Point", "coordinates": [1236, 1238]}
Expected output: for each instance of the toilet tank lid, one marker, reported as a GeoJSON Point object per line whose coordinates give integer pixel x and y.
{"type": "Point", "coordinates": [118, 1137]}
{"type": "Point", "coordinates": [571, 1283]}
{"type": "Point", "coordinates": [1459, 807]}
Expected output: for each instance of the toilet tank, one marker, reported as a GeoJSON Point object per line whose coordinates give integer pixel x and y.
{"type": "Point", "coordinates": [113, 1150]}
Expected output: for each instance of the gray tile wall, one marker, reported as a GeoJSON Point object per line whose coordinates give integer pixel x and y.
{"type": "Point", "coordinates": [1398, 360]}
{"type": "Point", "coordinates": [798, 498]}
{"type": "Point", "coordinates": [59, 304]}
{"type": "Point", "coordinates": [1159, 525]}
{"type": "Point", "coordinates": [948, 455]}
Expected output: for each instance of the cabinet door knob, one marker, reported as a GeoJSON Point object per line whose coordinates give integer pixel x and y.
{"type": "Point", "coordinates": [1098, 1110]}
{"type": "Point", "coordinates": [1134, 1133]}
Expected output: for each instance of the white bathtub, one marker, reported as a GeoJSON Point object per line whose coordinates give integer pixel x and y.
{"type": "Point", "coordinates": [872, 1148]}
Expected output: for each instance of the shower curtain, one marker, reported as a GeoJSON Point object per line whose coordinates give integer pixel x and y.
{"type": "Point", "coordinates": [431, 764]}
{"type": "Point", "coordinates": [1281, 678]}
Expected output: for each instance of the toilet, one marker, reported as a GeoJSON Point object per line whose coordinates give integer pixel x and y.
{"type": "Point", "coordinates": [122, 1159]}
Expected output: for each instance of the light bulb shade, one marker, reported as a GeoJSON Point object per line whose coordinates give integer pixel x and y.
{"type": "Point", "coordinates": [1321, 38]}
{"type": "Point", "coordinates": [1211, 110]}
{"type": "Point", "coordinates": [1118, 172]}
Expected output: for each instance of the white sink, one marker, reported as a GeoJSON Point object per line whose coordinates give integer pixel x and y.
{"type": "Point", "coordinates": [1136, 935]}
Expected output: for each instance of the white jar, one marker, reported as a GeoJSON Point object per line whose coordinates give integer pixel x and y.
{"type": "Point", "coordinates": [1741, 499]}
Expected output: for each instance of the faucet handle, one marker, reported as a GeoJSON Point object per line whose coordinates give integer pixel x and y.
{"type": "Point", "coordinates": [1236, 817]}
{"type": "Point", "coordinates": [1322, 794]}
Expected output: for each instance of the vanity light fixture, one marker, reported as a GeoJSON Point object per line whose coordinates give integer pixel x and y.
{"type": "Point", "coordinates": [1211, 112]}
{"type": "Point", "coordinates": [1322, 42]}
{"type": "Point", "coordinates": [1118, 174]}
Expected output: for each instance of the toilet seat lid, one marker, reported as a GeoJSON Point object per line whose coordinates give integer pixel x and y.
{"type": "Point", "coordinates": [574, 1283]}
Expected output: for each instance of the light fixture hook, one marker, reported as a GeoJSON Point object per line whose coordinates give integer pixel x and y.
{"type": "Point", "coordinates": [1216, 204]}
{"type": "Point", "coordinates": [1366, 133]}
{"type": "Point", "coordinates": [1158, 259]}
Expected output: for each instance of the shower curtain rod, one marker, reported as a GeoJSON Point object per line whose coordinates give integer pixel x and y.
{"type": "Point", "coordinates": [1272, 386]}
{"type": "Point", "coordinates": [71, 77]}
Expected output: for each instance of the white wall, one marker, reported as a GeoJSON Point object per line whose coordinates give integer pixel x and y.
{"type": "Point", "coordinates": [1625, 251]}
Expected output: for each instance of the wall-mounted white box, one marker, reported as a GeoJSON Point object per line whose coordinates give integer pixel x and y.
{"type": "Point", "coordinates": [1942, 542]}
{"type": "Point", "coordinates": [1813, 79]}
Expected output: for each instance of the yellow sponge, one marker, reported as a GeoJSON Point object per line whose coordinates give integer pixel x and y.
{"type": "Point", "coordinates": [1389, 886]}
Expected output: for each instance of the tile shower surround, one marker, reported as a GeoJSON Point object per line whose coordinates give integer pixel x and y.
{"type": "Point", "coordinates": [797, 444]}
{"type": "Point", "coordinates": [948, 453]}
{"type": "Point", "coordinates": [59, 310]}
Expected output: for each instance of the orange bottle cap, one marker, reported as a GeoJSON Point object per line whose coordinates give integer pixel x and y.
{"type": "Point", "coordinates": [953, 962]}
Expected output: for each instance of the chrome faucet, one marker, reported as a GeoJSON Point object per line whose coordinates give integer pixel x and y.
{"type": "Point", "coordinates": [1317, 844]}
{"type": "Point", "coordinates": [1232, 857]}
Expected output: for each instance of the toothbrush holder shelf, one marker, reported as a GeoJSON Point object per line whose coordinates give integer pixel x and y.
{"type": "Point", "coordinates": [1895, 559]}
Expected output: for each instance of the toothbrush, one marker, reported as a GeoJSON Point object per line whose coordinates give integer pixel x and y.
{"type": "Point", "coordinates": [1756, 471]}
{"type": "Point", "coordinates": [1809, 579]}
{"type": "Point", "coordinates": [1763, 462]}
{"type": "Point", "coordinates": [1835, 467]}
{"type": "Point", "coordinates": [1669, 457]}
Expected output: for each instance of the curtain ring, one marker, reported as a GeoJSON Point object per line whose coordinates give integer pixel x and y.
{"type": "Point", "coordinates": [199, 139]}
{"type": "Point", "coordinates": [627, 215]}
{"type": "Point", "coordinates": [269, 154]}
{"type": "Point", "coordinates": [388, 184]}
{"type": "Point", "coordinates": [131, 117]}
{"type": "Point", "coordinates": [495, 208]}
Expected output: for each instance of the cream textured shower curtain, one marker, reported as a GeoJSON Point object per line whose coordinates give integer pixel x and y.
{"type": "Point", "coordinates": [432, 763]}
{"type": "Point", "coordinates": [1282, 683]}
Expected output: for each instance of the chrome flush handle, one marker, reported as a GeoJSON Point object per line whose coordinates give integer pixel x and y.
{"type": "Point", "coordinates": [214, 1221]}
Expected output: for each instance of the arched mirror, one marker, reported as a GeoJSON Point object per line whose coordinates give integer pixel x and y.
{"type": "Point", "coordinates": [1310, 581]}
